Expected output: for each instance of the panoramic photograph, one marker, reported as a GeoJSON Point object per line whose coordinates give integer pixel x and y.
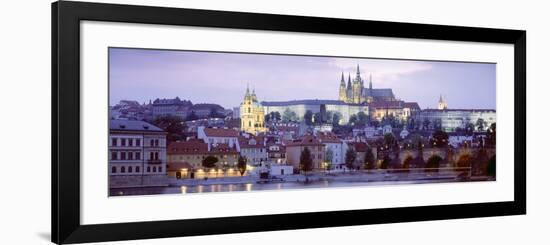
{"type": "Point", "coordinates": [184, 121]}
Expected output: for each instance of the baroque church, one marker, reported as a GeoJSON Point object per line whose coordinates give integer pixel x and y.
{"type": "Point", "coordinates": [252, 114]}
{"type": "Point", "coordinates": [356, 93]}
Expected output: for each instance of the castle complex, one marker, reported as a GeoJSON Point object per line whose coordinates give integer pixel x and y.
{"type": "Point", "coordinates": [356, 93]}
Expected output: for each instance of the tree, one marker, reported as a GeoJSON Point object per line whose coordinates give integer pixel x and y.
{"type": "Point", "coordinates": [440, 139]}
{"type": "Point", "coordinates": [173, 126]}
{"type": "Point", "coordinates": [209, 161]}
{"type": "Point", "coordinates": [306, 162]}
{"type": "Point", "coordinates": [389, 139]}
{"type": "Point", "coordinates": [362, 119]}
{"type": "Point", "coordinates": [289, 115]}
{"type": "Point", "coordinates": [351, 155]}
{"type": "Point", "coordinates": [353, 119]}
{"type": "Point", "coordinates": [317, 119]}
{"type": "Point", "coordinates": [336, 119]}
{"type": "Point", "coordinates": [480, 124]}
{"type": "Point", "coordinates": [470, 127]}
{"type": "Point", "coordinates": [492, 166]}
{"type": "Point", "coordinates": [438, 124]}
{"type": "Point", "coordinates": [308, 118]}
{"type": "Point", "coordinates": [491, 135]}
{"type": "Point", "coordinates": [369, 159]}
{"type": "Point", "coordinates": [275, 116]}
{"type": "Point", "coordinates": [241, 165]}
{"type": "Point", "coordinates": [432, 165]}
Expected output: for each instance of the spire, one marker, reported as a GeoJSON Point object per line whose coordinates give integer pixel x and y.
{"type": "Point", "coordinates": [342, 81]}
{"type": "Point", "coordinates": [349, 81]}
{"type": "Point", "coordinates": [370, 81]}
{"type": "Point", "coordinates": [358, 72]}
{"type": "Point", "coordinates": [440, 98]}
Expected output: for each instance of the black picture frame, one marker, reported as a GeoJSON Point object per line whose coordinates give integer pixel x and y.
{"type": "Point", "coordinates": [66, 17]}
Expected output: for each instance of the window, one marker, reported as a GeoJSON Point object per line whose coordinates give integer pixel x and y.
{"type": "Point", "coordinates": [138, 142]}
{"type": "Point", "coordinates": [123, 156]}
{"type": "Point", "coordinates": [156, 142]}
{"type": "Point", "coordinates": [137, 155]}
{"type": "Point", "coordinates": [114, 155]}
{"type": "Point", "coordinates": [160, 169]}
{"type": "Point", "coordinates": [113, 170]}
{"type": "Point", "coordinates": [156, 156]}
{"type": "Point", "coordinates": [151, 155]}
{"type": "Point", "coordinates": [123, 169]}
{"type": "Point", "coordinates": [113, 141]}
{"type": "Point", "coordinates": [123, 142]}
{"type": "Point", "coordinates": [137, 169]}
{"type": "Point", "coordinates": [130, 142]}
{"type": "Point", "coordinates": [152, 142]}
{"type": "Point", "coordinates": [130, 169]}
{"type": "Point", "coordinates": [155, 169]}
{"type": "Point", "coordinates": [130, 156]}
{"type": "Point", "coordinates": [148, 169]}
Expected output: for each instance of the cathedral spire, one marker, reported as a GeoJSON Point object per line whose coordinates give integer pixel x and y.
{"type": "Point", "coordinates": [349, 81]}
{"type": "Point", "coordinates": [342, 80]}
{"type": "Point", "coordinates": [358, 72]}
{"type": "Point", "coordinates": [370, 81]}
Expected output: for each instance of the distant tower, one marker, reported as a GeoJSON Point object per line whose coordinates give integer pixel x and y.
{"type": "Point", "coordinates": [442, 104]}
{"type": "Point", "coordinates": [358, 88]}
{"type": "Point", "coordinates": [369, 96]}
{"type": "Point", "coordinates": [252, 114]}
{"type": "Point", "coordinates": [342, 96]}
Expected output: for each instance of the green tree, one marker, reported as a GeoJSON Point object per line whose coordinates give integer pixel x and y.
{"type": "Point", "coordinates": [370, 161]}
{"type": "Point", "coordinates": [362, 118]}
{"type": "Point", "coordinates": [308, 117]}
{"type": "Point", "coordinates": [173, 126]}
{"type": "Point", "coordinates": [209, 161]}
{"type": "Point", "coordinates": [289, 116]}
{"type": "Point", "coordinates": [241, 165]}
{"type": "Point", "coordinates": [351, 155]}
{"type": "Point", "coordinates": [306, 161]}
{"type": "Point", "coordinates": [432, 165]}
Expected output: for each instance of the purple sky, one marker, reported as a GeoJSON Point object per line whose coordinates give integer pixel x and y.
{"type": "Point", "coordinates": [208, 77]}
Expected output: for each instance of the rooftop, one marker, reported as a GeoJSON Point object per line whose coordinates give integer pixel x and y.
{"type": "Point", "coordinates": [132, 125]}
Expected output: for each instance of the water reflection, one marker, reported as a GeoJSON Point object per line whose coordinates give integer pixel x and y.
{"type": "Point", "coordinates": [249, 187]}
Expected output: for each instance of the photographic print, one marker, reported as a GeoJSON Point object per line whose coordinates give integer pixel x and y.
{"type": "Point", "coordinates": [210, 121]}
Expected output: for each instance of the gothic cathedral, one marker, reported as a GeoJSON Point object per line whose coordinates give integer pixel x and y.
{"type": "Point", "coordinates": [252, 114]}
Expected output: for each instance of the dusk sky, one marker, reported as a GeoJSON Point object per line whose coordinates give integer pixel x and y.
{"type": "Point", "coordinates": [221, 78]}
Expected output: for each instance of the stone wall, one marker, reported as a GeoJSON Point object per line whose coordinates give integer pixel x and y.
{"type": "Point", "coordinates": [124, 181]}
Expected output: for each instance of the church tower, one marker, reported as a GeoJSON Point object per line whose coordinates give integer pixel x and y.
{"type": "Point", "coordinates": [442, 104]}
{"type": "Point", "coordinates": [369, 95]}
{"type": "Point", "coordinates": [358, 88]}
{"type": "Point", "coordinates": [342, 96]}
{"type": "Point", "coordinates": [252, 114]}
{"type": "Point", "coordinates": [349, 91]}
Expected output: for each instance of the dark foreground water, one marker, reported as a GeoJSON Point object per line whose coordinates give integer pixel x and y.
{"type": "Point", "coordinates": [258, 186]}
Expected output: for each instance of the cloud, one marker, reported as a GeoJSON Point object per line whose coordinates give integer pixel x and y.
{"type": "Point", "coordinates": [383, 71]}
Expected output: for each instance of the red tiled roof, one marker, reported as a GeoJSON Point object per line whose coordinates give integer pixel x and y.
{"type": "Point", "coordinates": [223, 148]}
{"type": "Point", "coordinates": [245, 142]}
{"type": "Point", "coordinates": [220, 132]}
{"type": "Point", "coordinates": [328, 137]}
{"type": "Point", "coordinates": [193, 146]}
{"type": "Point", "coordinates": [395, 104]}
